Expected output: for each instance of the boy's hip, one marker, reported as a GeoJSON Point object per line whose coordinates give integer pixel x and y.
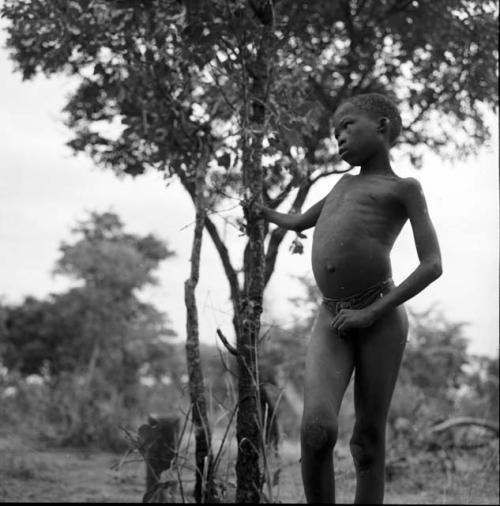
{"type": "Point", "coordinates": [358, 300]}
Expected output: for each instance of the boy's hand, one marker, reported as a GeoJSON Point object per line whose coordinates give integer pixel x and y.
{"type": "Point", "coordinates": [353, 318]}
{"type": "Point", "coordinates": [259, 211]}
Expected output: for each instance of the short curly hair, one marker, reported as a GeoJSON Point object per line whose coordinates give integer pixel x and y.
{"type": "Point", "coordinates": [381, 105]}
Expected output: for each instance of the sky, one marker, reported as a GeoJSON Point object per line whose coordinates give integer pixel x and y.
{"type": "Point", "coordinates": [45, 190]}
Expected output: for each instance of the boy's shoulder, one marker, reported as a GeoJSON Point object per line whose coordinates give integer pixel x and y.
{"type": "Point", "coordinates": [410, 185]}
{"type": "Point", "coordinates": [406, 186]}
{"type": "Point", "coordinates": [410, 181]}
{"type": "Point", "coordinates": [410, 191]}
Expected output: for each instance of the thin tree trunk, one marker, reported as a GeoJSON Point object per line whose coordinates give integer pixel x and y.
{"type": "Point", "coordinates": [278, 234]}
{"type": "Point", "coordinates": [248, 465]}
{"type": "Point", "coordinates": [204, 490]}
{"type": "Point", "coordinates": [92, 362]}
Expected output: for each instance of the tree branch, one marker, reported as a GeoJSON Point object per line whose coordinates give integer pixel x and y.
{"type": "Point", "coordinates": [465, 420]}
{"type": "Point", "coordinates": [278, 234]}
{"type": "Point", "coordinates": [231, 349]}
{"type": "Point", "coordinates": [276, 201]}
{"type": "Point", "coordinates": [398, 6]}
{"type": "Point", "coordinates": [226, 262]}
{"type": "Point", "coordinates": [327, 173]}
{"type": "Point", "coordinates": [219, 246]}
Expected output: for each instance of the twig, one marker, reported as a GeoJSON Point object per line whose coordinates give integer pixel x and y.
{"type": "Point", "coordinates": [225, 342]}
{"type": "Point", "coordinates": [465, 420]}
{"type": "Point", "coordinates": [228, 426]}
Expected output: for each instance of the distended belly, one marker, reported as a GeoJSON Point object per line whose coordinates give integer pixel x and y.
{"type": "Point", "coordinates": [345, 267]}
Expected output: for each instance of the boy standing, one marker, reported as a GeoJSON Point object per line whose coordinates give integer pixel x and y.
{"type": "Point", "coordinates": [361, 325]}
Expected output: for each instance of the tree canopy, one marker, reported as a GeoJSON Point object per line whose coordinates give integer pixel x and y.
{"type": "Point", "coordinates": [170, 76]}
{"type": "Point", "coordinates": [99, 323]}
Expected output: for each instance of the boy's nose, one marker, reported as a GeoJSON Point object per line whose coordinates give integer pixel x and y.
{"type": "Point", "coordinates": [341, 139]}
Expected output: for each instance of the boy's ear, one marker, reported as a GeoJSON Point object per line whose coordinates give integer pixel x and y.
{"type": "Point", "coordinates": [383, 125]}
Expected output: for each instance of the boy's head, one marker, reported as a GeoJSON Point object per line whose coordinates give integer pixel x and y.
{"type": "Point", "coordinates": [377, 106]}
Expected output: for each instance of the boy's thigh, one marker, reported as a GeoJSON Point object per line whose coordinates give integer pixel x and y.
{"type": "Point", "coordinates": [378, 354]}
{"type": "Point", "coordinates": [329, 365]}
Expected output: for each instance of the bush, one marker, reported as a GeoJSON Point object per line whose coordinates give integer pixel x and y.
{"type": "Point", "coordinates": [66, 412]}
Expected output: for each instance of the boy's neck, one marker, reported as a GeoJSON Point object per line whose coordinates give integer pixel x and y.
{"type": "Point", "coordinates": [377, 164]}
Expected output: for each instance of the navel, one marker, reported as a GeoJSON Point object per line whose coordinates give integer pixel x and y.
{"type": "Point", "coordinates": [330, 267]}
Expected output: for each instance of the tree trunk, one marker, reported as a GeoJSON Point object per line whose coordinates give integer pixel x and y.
{"type": "Point", "coordinates": [204, 490]}
{"type": "Point", "coordinates": [248, 466]}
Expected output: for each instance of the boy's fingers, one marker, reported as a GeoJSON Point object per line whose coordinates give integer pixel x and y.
{"type": "Point", "coordinates": [337, 320]}
{"type": "Point", "coordinates": [340, 322]}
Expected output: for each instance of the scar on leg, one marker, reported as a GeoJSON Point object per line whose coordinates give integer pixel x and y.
{"type": "Point", "coordinates": [362, 458]}
{"type": "Point", "coordinates": [317, 435]}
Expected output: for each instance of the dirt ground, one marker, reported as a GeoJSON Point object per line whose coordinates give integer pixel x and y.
{"type": "Point", "coordinates": [34, 474]}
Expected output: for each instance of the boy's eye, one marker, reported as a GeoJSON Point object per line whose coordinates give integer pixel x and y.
{"type": "Point", "coordinates": [345, 124]}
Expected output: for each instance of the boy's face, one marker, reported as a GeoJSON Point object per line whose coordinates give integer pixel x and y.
{"type": "Point", "coordinates": [356, 134]}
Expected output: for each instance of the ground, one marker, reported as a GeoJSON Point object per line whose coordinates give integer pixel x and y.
{"type": "Point", "coordinates": [32, 473]}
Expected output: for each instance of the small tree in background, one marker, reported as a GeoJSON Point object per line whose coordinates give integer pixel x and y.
{"type": "Point", "coordinates": [114, 266]}
{"type": "Point", "coordinates": [432, 370]}
{"type": "Point", "coordinates": [97, 334]}
{"type": "Point", "coordinates": [482, 398]}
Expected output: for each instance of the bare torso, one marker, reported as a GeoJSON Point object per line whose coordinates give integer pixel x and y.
{"type": "Point", "coordinates": [358, 225]}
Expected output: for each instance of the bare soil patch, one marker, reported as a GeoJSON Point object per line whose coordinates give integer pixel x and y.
{"type": "Point", "coordinates": [30, 473]}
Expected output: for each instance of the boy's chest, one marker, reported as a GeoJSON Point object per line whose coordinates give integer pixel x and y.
{"type": "Point", "coordinates": [377, 196]}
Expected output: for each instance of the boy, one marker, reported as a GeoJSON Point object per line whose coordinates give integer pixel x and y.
{"type": "Point", "coordinates": [362, 324]}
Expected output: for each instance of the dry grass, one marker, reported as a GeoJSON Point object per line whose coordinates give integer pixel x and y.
{"type": "Point", "coordinates": [29, 474]}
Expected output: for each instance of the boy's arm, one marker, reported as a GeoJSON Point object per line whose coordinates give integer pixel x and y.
{"type": "Point", "coordinates": [295, 222]}
{"type": "Point", "coordinates": [427, 246]}
{"type": "Point", "coordinates": [428, 270]}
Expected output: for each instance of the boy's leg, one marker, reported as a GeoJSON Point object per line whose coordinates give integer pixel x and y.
{"type": "Point", "coordinates": [378, 353]}
{"type": "Point", "coordinates": [329, 366]}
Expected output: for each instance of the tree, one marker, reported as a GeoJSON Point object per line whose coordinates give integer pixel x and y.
{"type": "Point", "coordinates": [92, 342]}
{"type": "Point", "coordinates": [438, 403]}
{"type": "Point", "coordinates": [256, 83]}
{"type": "Point", "coordinates": [483, 379]}
{"type": "Point", "coordinates": [203, 451]}
{"type": "Point", "coordinates": [435, 354]}
{"type": "Point", "coordinates": [432, 370]}
{"type": "Point", "coordinates": [101, 323]}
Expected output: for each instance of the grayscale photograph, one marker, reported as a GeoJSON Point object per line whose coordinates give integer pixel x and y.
{"type": "Point", "coordinates": [249, 251]}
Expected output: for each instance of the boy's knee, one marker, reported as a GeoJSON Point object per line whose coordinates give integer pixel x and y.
{"type": "Point", "coordinates": [362, 455]}
{"type": "Point", "coordinates": [319, 433]}
{"type": "Point", "coordinates": [365, 449]}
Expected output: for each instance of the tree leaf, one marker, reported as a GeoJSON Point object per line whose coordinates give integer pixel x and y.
{"type": "Point", "coordinates": [292, 136]}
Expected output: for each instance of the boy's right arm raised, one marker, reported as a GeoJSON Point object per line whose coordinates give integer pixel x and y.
{"type": "Point", "coordinates": [297, 222]}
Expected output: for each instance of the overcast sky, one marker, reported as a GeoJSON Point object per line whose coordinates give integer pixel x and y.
{"type": "Point", "coordinates": [45, 190]}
